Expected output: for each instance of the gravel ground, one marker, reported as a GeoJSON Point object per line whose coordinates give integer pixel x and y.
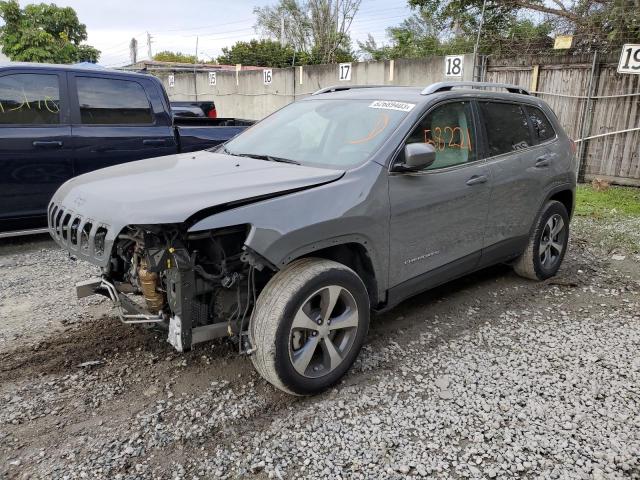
{"type": "Point", "coordinates": [489, 376]}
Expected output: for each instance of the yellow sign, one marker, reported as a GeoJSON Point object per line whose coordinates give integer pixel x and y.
{"type": "Point", "coordinates": [563, 42]}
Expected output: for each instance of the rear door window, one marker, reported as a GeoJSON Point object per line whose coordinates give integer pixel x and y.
{"type": "Point", "coordinates": [106, 101]}
{"type": "Point", "coordinates": [542, 128]}
{"type": "Point", "coordinates": [29, 99]}
{"type": "Point", "coordinates": [506, 126]}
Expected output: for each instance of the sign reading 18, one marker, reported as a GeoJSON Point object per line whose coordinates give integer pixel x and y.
{"type": "Point", "coordinates": [453, 65]}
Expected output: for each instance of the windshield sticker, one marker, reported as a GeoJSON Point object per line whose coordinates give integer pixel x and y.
{"type": "Point", "coordinates": [390, 105]}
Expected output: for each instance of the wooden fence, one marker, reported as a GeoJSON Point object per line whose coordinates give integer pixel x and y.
{"type": "Point", "coordinates": [590, 99]}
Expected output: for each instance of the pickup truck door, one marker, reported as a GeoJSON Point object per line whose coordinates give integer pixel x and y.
{"type": "Point", "coordinates": [438, 215]}
{"type": "Point", "coordinates": [35, 151]}
{"type": "Point", "coordinates": [117, 120]}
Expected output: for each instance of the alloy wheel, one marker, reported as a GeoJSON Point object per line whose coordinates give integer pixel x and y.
{"type": "Point", "coordinates": [323, 331]}
{"type": "Point", "coordinates": [552, 241]}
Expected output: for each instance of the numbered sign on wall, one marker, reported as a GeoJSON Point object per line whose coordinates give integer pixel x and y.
{"type": "Point", "coordinates": [453, 65]}
{"type": "Point", "coordinates": [172, 80]}
{"type": "Point", "coordinates": [212, 78]}
{"type": "Point", "coordinates": [267, 76]}
{"type": "Point", "coordinates": [629, 59]}
{"type": "Point", "coordinates": [344, 72]}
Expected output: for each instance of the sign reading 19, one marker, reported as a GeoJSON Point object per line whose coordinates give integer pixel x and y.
{"type": "Point", "coordinates": [629, 59]}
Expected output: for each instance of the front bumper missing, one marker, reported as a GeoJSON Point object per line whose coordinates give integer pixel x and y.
{"type": "Point", "coordinates": [129, 312]}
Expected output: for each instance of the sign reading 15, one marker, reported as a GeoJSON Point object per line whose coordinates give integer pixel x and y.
{"type": "Point", "coordinates": [629, 59]}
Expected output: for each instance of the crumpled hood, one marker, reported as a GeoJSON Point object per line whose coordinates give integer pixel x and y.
{"type": "Point", "coordinates": [173, 188]}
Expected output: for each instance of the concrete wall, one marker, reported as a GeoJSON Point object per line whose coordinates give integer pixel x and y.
{"type": "Point", "coordinates": [244, 95]}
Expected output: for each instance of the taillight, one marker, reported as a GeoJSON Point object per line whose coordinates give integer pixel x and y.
{"type": "Point", "coordinates": [212, 113]}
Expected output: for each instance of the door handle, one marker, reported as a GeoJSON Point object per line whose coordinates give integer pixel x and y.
{"type": "Point", "coordinates": [543, 161]}
{"type": "Point", "coordinates": [477, 179]}
{"type": "Point", "coordinates": [154, 142]}
{"type": "Point", "coordinates": [47, 144]}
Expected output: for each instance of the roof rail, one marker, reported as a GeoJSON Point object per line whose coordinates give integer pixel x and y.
{"type": "Point", "coordinates": [446, 86]}
{"type": "Point", "coordinates": [340, 88]}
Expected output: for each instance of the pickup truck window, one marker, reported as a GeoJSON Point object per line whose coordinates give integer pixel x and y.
{"type": "Point", "coordinates": [105, 101]}
{"type": "Point", "coordinates": [325, 133]}
{"type": "Point", "coordinates": [29, 99]}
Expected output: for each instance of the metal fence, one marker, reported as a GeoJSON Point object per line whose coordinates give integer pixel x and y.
{"type": "Point", "coordinates": [597, 106]}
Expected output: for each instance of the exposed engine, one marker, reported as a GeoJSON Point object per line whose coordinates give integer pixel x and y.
{"type": "Point", "coordinates": [201, 285]}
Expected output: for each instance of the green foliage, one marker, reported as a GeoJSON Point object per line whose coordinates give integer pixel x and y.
{"type": "Point", "coordinates": [425, 34]}
{"type": "Point", "coordinates": [612, 202]}
{"type": "Point", "coordinates": [261, 53]}
{"type": "Point", "coordinates": [178, 57]}
{"type": "Point", "coordinates": [312, 27]}
{"type": "Point", "coordinates": [43, 33]}
{"type": "Point", "coordinates": [595, 24]}
{"type": "Point", "coordinates": [269, 53]}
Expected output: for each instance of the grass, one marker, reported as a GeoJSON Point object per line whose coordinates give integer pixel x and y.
{"type": "Point", "coordinates": [613, 202]}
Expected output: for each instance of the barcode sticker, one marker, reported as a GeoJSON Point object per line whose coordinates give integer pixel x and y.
{"type": "Point", "coordinates": [391, 105]}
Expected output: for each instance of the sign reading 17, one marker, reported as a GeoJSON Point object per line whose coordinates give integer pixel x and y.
{"type": "Point", "coordinates": [629, 59]}
{"type": "Point", "coordinates": [344, 72]}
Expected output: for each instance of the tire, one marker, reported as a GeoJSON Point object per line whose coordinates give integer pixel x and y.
{"type": "Point", "coordinates": [546, 246]}
{"type": "Point", "coordinates": [288, 354]}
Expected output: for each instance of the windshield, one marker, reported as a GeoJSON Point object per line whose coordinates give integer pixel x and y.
{"type": "Point", "coordinates": [326, 133]}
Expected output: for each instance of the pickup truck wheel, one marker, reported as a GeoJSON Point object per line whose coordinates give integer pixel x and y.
{"type": "Point", "coordinates": [308, 326]}
{"type": "Point", "coordinates": [547, 244]}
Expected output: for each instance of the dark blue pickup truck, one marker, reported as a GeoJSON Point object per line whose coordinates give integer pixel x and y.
{"type": "Point", "coordinates": [59, 121]}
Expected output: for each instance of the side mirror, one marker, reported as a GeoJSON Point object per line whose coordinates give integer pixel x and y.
{"type": "Point", "coordinates": [417, 156]}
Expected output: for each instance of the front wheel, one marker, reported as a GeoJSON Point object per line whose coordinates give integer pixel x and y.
{"type": "Point", "coordinates": [309, 324]}
{"type": "Point", "coordinates": [547, 244]}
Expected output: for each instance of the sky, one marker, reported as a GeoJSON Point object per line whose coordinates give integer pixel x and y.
{"type": "Point", "coordinates": [175, 25]}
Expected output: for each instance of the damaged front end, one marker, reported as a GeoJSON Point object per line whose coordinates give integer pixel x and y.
{"type": "Point", "coordinates": [199, 286]}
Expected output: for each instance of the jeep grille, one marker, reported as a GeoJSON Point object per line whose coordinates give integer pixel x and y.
{"type": "Point", "coordinates": [82, 236]}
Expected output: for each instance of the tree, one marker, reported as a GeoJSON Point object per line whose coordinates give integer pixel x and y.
{"type": "Point", "coordinates": [44, 33]}
{"type": "Point", "coordinates": [319, 28]}
{"type": "Point", "coordinates": [262, 53]}
{"type": "Point", "coordinates": [178, 57]}
{"type": "Point", "coordinates": [595, 24]}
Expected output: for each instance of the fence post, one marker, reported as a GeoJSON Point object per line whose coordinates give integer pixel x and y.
{"type": "Point", "coordinates": [588, 116]}
{"type": "Point", "coordinates": [535, 74]}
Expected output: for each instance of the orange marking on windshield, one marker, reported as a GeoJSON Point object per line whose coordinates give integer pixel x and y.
{"type": "Point", "coordinates": [380, 125]}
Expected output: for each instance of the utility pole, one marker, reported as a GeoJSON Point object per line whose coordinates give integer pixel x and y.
{"type": "Point", "coordinates": [149, 54]}
{"type": "Point", "coordinates": [133, 51]}
{"type": "Point", "coordinates": [282, 39]}
{"type": "Point", "coordinates": [337, 17]}
{"type": "Point", "coordinates": [195, 72]}
{"type": "Point", "coordinates": [477, 44]}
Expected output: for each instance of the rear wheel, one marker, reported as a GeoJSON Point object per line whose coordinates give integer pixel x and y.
{"type": "Point", "coordinates": [547, 244]}
{"type": "Point", "coordinates": [309, 325]}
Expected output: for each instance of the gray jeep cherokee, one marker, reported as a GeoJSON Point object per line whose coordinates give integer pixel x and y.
{"type": "Point", "coordinates": [348, 201]}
